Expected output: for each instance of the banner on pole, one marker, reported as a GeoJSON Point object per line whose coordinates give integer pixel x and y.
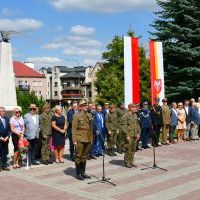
{"type": "Point", "coordinates": [157, 70]}
{"type": "Point", "coordinates": [131, 70]}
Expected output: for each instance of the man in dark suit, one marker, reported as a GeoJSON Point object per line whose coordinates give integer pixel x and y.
{"type": "Point", "coordinates": [156, 117]}
{"type": "Point", "coordinates": [70, 114]}
{"type": "Point", "coordinates": [4, 138]}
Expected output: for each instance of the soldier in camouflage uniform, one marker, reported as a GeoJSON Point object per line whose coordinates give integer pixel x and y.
{"type": "Point", "coordinates": [121, 111]}
{"type": "Point", "coordinates": [131, 129]}
{"type": "Point", "coordinates": [45, 128]}
{"type": "Point", "coordinates": [112, 128]}
{"type": "Point", "coordinates": [82, 138]}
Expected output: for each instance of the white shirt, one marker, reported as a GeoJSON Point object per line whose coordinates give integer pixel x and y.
{"type": "Point", "coordinates": [175, 111]}
{"type": "Point", "coordinates": [34, 119]}
{"type": "Point", "coordinates": [186, 109]}
{"type": "Point", "coordinates": [3, 121]}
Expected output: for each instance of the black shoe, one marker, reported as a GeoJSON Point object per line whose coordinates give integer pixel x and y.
{"type": "Point", "coordinates": [120, 151]}
{"type": "Point", "coordinates": [86, 176]}
{"type": "Point", "coordinates": [128, 165]}
{"type": "Point", "coordinates": [93, 157]}
{"type": "Point", "coordinates": [144, 147]}
{"type": "Point", "coordinates": [113, 153]}
{"type": "Point", "coordinates": [44, 162]}
{"type": "Point", "coordinates": [49, 162]}
{"type": "Point", "coordinates": [79, 177]}
{"type": "Point", "coordinates": [5, 169]}
{"type": "Point", "coordinates": [35, 163]}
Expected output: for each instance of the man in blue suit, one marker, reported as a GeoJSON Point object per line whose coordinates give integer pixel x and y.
{"type": "Point", "coordinates": [4, 138]}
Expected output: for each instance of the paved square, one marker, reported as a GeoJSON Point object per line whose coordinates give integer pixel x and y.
{"type": "Point", "coordinates": [57, 181]}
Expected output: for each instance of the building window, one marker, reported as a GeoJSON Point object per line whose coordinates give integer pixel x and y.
{"type": "Point", "coordinates": [76, 83]}
{"type": "Point", "coordinates": [35, 83]}
{"type": "Point", "coordinates": [40, 93]}
{"type": "Point", "coordinates": [55, 93]}
{"type": "Point", "coordinates": [40, 83]}
{"type": "Point", "coordinates": [90, 93]}
{"type": "Point", "coordinates": [55, 84]}
{"type": "Point", "coordinates": [68, 84]}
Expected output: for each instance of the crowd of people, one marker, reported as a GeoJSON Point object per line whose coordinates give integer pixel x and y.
{"type": "Point", "coordinates": [93, 130]}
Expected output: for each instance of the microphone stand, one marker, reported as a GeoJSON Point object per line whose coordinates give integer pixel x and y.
{"type": "Point", "coordinates": [155, 166]}
{"type": "Point", "coordinates": [103, 179]}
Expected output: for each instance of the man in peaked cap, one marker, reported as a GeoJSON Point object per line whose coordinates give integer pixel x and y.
{"type": "Point", "coordinates": [131, 130]}
{"type": "Point", "coordinates": [82, 138]}
{"type": "Point", "coordinates": [112, 129]}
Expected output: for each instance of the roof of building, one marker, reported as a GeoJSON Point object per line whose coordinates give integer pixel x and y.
{"type": "Point", "coordinates": [22, 70]}
{"type": "Point", "coordinates": [65, 69]}
{"type": "Point", "coordinates": [72, 75]}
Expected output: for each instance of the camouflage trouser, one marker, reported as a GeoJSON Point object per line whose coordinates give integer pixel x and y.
{"type": "Point", "coordinates": [165, 132]}
{"type": "Point", "coordinates": [111, 139]}
{"type": "Point", "coordinates": [120, 140]}
{"type": "Point", "coordinates": [81, 151]}
{"type": "Point", "coordinates": [130, 149]}
{"type": "Point", "coordinates": [45, 151]}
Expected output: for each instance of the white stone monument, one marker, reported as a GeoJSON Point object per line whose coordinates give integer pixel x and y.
{"type": "Point", "coordinates": [7, 78]}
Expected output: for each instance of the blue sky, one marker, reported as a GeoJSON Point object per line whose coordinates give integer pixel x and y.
{"type": "Point", "coordinates": [71, 32]}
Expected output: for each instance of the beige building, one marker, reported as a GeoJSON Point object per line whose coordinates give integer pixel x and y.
{"type": "Point", "coordinates": [28, 79]}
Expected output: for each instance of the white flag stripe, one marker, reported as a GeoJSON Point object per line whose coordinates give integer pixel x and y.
{"type": "Point", "coordinates": [128, 70]}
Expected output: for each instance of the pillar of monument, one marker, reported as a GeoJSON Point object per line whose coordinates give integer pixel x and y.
{"type": "Point", "coordinates": [7, 78]}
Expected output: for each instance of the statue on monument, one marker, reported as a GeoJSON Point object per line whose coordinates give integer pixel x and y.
{"type": "Point", "coordinates": [5, 35]}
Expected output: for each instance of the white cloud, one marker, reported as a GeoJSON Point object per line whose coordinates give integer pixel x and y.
{"type": "Point", "coordinates": [76, 51]}
{"type": "Point", "coordinates": [45, 60]}
{"type": "Point", "coordinates": [105, 6]}
{"type": "Point", "coordinates": [21, 25]}
{"type": "Point", "coordinates": [90, 62]}
{"type": "Point", "coordinates": [54, 45]}
{"type": "Point", "coordinates": [82, 30]}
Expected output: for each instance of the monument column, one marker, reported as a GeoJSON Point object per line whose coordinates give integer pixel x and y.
{"type": "Point", "coordinates": [7, 78]}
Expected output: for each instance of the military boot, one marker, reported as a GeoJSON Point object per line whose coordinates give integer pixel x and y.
{"type": "Point", "coordinates": [78, 172]}
{"type": "Point", "coordinates": [133, 165]}
{"type": "Point", "coordinates": [110, 152]}
{"type": "Point", "coordinates": [128, 165]}
{"type": "Point", "coordinates": [83, 166]}
{"type": "Point", "coordinates": [113, 153]}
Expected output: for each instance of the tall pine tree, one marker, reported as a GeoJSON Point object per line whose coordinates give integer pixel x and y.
{"type": "Point", "coordinates": [178, 27]}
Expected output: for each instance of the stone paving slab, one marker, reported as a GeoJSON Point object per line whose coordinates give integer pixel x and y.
{"type": "Point", "coordinates": [57, 181]}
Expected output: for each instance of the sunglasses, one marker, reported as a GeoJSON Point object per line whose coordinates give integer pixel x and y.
{"type": "Point", "coordinates": [33, 109]}
{"type": "Point", "coordinates": [18, 112]}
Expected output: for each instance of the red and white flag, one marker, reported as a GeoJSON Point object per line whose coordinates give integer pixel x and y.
{"type": "Point", "coordinates": [131, 70]}
{"type": "Point", "coordinates": [157, 70]}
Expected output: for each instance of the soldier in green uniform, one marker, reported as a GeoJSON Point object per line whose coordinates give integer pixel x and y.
{"type": "Point", "coordinates": [112, 128]}
{"type": "Point", "coordinates": [121, 111]}
{"type": "Point", "coordinates": [82, 139]}
{"type": "Point", "coordinates": [45, 128]}
{"type": "Point", "coordinates": [131, 129]}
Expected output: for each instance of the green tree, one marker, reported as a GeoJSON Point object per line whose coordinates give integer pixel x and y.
{"type": "Point", "coordinates": [110, 79]}
{"type": "Point", "coordinates": [25, 98]}
{"type": "Point", "coordinates": [178, 27]}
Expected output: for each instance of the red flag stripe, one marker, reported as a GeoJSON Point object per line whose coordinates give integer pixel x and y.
{"type": "Point", "coordinates": [135, 71]}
